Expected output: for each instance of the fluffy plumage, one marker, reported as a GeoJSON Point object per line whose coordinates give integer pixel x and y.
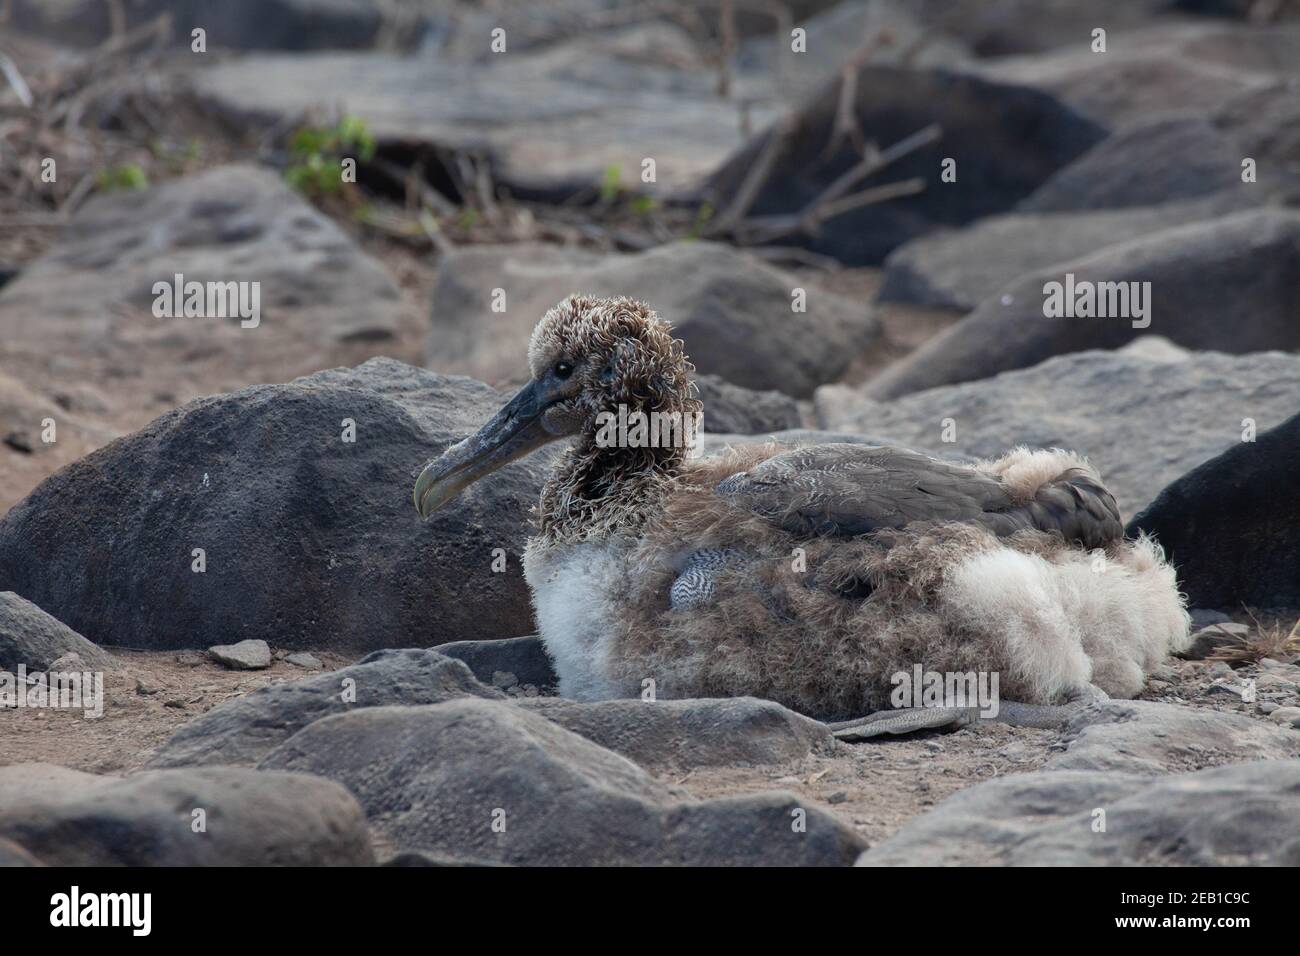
{"type": "Point", "coordinates": [810, 575]}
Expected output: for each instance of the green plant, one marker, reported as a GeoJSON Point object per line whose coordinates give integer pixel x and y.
{"type": "Point", "coordinates": [702, 217]}
{"type": "Point", "coordinates": [610, 187]}
{"type": "Point", "coordinates": [644, 205]}
{"type": "Point", "coordinates": [316, 155]}
{"type": "Point", "coordinates": [125, 176]}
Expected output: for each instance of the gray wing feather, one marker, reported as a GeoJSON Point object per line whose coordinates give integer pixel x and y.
{"type": "Point", "coordinates": [846, 490]}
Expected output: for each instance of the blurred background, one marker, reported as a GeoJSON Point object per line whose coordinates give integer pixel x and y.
{"type": "Point", "coordinates": [848, 209]}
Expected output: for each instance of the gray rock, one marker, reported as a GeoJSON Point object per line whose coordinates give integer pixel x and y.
{"type": "Point", "coordinates": [1159, 69]}
{"type": "Point", "coordinates": [1168, 159]}
{"type": "Point", "coordinates": [231, 24]}
{"type": "Point", "coordinates": [682, 734]}
{"type": "Point", "coordinates": [1232, 524]}
{"type": "Point", "coordinates": [732, 310]}
{"type": "Point", "coordinates": [434, 780]}
{"type": "Point", "coordinates": [11, 854]}
{"type": "Point", "coordinates": [30, 636]}
{"type": "Point", "coordinates": [552, 121]}
{"type": "Point", "coordinates": [303, 659]}
{"type": "Point", "coordinates": [523, 657]}
{"type": "Point", "coordinates": [997, 28]}
{"type": "Point", "coordinates": [741, 411]}
{"type": "Point", "coordinates": [68, 662]}
{"type": "Point", "coordinates": [1143, 736]}
{"type": "Point", "coordinates": [411, 858]}
{"type": "Point", "coordinates": [251, 818]}
{"type": "Point", "coordinates": [1266, 122]}
{"type": "Point", "coordinates": [1207, 640]}
{"type": "Point", "coordinates": [886, 27]}
{"type": "Point", "coordinates": [242, 731]}
{"type": "Point", "coordinates": [984, 122]}
{"type": "Point", "coordinates": [1203, 617]}
{"type": "Point", "coordinates": [250, 655]}
{"type": "Point", "coordinates": [1286, 716]}
{"type": "Point", "coordinates": [1243, 814]}
{"type": "Point", "coordinates": [23, 411]}
{"type": "Point", "coordinates": [1159, 173]}
{"type": "Point", "coordinates": [1142, 423]}
{"type": "Point", "coordinates": [959, 269]}
{"type": "Point", "coordinates": [1228, 284]}
{"type": "Point", "coordinates": [235, 223]}
{"type": "Point", "coordinates": [263, 481]}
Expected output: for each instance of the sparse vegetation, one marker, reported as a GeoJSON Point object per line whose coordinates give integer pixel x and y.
{"type": "Point", "coordinates": [1276, 641]}
{"type": "Point", "coordinates": [317, 154]}
{"type": "Point", "coordinates": [123, 177]}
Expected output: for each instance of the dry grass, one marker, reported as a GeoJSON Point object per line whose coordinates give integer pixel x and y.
{"type": "Point", "coordinates": [1274, 640]}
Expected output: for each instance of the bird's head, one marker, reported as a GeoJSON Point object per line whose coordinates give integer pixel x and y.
{"type": "Point", "coordinates": [588, 355]}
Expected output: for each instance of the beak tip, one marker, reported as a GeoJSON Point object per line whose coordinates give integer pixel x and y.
{"type": "Point", "coordinates": [420, 494]}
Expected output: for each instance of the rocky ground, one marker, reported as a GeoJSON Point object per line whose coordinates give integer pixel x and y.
{"type": "Point", "coordinates": [518, 177]}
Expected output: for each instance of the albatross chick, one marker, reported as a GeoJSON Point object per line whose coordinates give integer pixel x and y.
{"type": "Point", "coordinates": [809, 575]}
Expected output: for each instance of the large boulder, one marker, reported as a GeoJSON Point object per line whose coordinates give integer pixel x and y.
{"type": "Point", "coordinates": [242, 731]}
{"type": "Point", "coordinates": [30, 636]}
{"type": "Point", "coordinates": [1144, 736]}
{"type": "Point", "coordinates": [489, 781]}
{"type": "Point", "coordinates": [961, 268]}
{"type": "Point", "coordinates": [309, 539]}
{"type": "Point", "coordinates": [767, 67]}
{"type": "Point", "coordinates": [221, 816]}
{"type": "Point", "coordinates": [1161, 68]}
{"type": "Point", "coordinates": [998, 28]}
{"type": "Point", "coordinates": [1143, 421]}
{"type": "Point", "coordinates": [79, 321]}
{"type": "Point", "coordinates": [1169, 171]}
{"type": "Point", "coordinates": [1168, 159]}
{"type": "Point", "coordinates": [1229, 284]}
{"type": "Point", "coordinates": [232, 24]}
{"type": "Point", "coordinates": [238, 223]}
{"type": "Point", "coordinates": [1007, 137]}
{"type": "Point", "coordinates": [682, 734]}
{"type": "Point", "coordinates": [742, 411]}
{"type": "Point", "coordinates": [552, 121]}
{"type": "Point", "coordinates": [1231, 525]}
{"type": "Point", "coordinates": [512, 661]}
{"type": "Point", "coordinates": [1242, 814]}
{"type": "Point", "coordinates": [734, 312]}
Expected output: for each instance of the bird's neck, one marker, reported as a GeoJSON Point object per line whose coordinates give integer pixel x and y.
{"type": "Point", "coordinates": [614, 475]}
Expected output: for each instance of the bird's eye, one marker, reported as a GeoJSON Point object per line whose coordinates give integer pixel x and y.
{"type": "Point", "coordinates": [563, 369]}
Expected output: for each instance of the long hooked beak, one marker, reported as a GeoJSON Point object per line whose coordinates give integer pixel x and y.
{"type": "Point", "coordinates": [517, 429]}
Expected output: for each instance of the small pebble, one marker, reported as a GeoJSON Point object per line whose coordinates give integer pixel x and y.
{"type": "Point", "coordinates": [839, 796]}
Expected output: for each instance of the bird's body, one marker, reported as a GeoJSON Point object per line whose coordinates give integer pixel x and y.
{"type": "Point", "coordinates": [809, 576]}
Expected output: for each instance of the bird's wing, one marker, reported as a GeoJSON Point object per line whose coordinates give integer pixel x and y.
{"type": "Point", "coordinates": [845, 490]}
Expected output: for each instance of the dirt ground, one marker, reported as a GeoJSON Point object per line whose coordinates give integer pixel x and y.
{"type": "Point", "coordinates": [146, 701]}
{"type": "Point", "coordinates": [874, 786]}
